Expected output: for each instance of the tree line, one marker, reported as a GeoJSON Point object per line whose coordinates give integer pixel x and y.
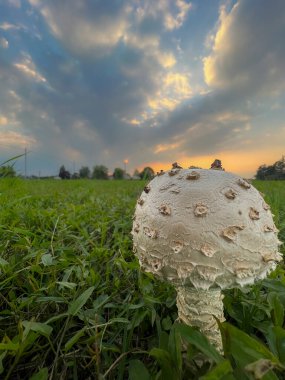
{"type": "Point", "coordinates": [272, 172]}
{"type": "Point", "coordinates": [275, 171]}
{"type": "Point", "coordinates": [101, 172]}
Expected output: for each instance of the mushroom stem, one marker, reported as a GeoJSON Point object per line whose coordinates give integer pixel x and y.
{"type": "Point", "coordinates": [197, 307]}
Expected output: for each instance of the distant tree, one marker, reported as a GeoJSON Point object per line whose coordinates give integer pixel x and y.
{"type": "Point", "coordinates": [100, 172]}
{"type": "Point", "coordinates": [118, 173]}
{"type": "Point", "coordinates": [7, 171]}
{"type": "Point", "coordinates": [75, 176]}
{"type": "Point", "coordinates": [84, 172]}
{"type": "Point", "coordinates": [272, 172]}
{"type": "Point", "coordinates": [279, 168]}
{"type": "Point", "coordinates": [63, 173]}
{"type": "Point", "coordinates": [261, 172]}
{"type": "Point", "coordinates": [147, 173]}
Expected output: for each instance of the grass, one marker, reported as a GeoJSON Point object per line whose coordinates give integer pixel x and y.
{"type": "Point", "coordinates": [74, 304]}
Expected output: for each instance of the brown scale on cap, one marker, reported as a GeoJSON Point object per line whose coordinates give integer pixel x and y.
{"type": "Point", "coordinates": [175, 191]}
{"type": "Point", "coordinates": [208, 250]}
{"type": "Point", "coordinates": [193, 175]}
{"type": "Point", "coordinates": [244, 184]}
{"type": "Point", "coordinates": [254, 214]}
{"type": "Point", "coordinates": [140, 201]}
{"type": "Point", "coordinates": [231, 194]}
{"type": "Point", "coordinates": [268, 228]}
{"type": "Point", "coordinates": [153, 234]}
{"type": "Point", "coordinates": [200, 209]}
{"type": "Point", "coordinates": [164, 209]}
{"type": "Point", "coordinates": [173, 172]}
{"type": "Point", "coordinates": [230, 233]}
{"type": "Point", "coordinates": [176, 166]}
{"type": "Point", "coordinates": [269, 256]}
{"type": "Point", "coordinates": [160, 173]}
{"type": "Point", "coordinates": [177, 246]}
{"type": "Point", "coordinates": [137, 228]}
{"type": "Point", "coordinates": [265, 206]}
{"type": "Point", "coordinates": [146, 189]}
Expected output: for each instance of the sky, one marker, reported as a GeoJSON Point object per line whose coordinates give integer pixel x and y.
{"type": "Point", "coordinates": [151, 82]}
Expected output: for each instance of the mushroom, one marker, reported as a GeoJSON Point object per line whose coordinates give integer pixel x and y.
{"type": "Point", "coordinates": [212, 234]}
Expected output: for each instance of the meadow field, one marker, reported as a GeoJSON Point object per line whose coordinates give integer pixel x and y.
{"type": "Point", "coordinates": [75, 305]}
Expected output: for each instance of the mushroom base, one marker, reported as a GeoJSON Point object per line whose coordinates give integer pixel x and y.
{"type": "Point", "coordinates": [197, 307]}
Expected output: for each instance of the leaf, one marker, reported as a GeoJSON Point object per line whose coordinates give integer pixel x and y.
{"type": "Point", "coordinates": [138, 371]}
{"type": "Point", "coordinates": [163, 340]}
{"type": "Point", "coordinates": [137, 306]}
{"type": "Point", "coordinates": [47, 259]}
{"type": "Point", "coordinates": [277, 309]}
{"type": "Point", "coordinates": [65, 284]}
{"type": "Point", "coordinates": [100, 301]}
{"type": "Point", "coordinates": [167, 323]}
{"type": "Point", "coordinates": [138, 318]}
{"type": "Point", "coordinates": [74, 339]}
{"type": "Point", "coordinates": [169, 371]}
{"type": "Point", "coordinates": [174, 347]}
{"type": "Point", "coordinates": [41, 328]}
{"type": "Point", "coordinates": [12, 159]}
{"type": "Point", "coordinates": [222, 369]}
{"type": "Point", "coordinates": [274, 285]}
{"type": "Point", "coordinates": [3, 262]}
{"type": "Point", "coordinates": [197, 339]}
{"type": "Point", "coordinates": [118, 320]}
{"type": "Point", "coordinates": [244, 348]}
{"type": "Point", "coordinates": [276, 342]}
{"type": "Point", "coordinates": [9, 346]}
{"type": "Point", "coordinates": [2, 357]}
{"type": "Point", "coordinates": [50, 299]}
{"type": "Point", "coordinates": [41, 375]}
{"type": "Point", "coordinates": [77, 304]}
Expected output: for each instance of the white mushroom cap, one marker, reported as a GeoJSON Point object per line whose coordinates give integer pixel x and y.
{"type": "Point", "coordinates": [204, 228]}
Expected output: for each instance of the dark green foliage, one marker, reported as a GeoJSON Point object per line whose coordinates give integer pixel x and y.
{"type": "Point", "coordinates": [100, 172]}
{"type": "Point", "coordinates": [7, 171]}
{"type": "Point", "coordinates": [147, 173]}
{"type": "Point", "coordinates": [272, 172]}
{"type": "Point", "coordinates": [84, 172]}
{"type": "Point", "coordinates": [74, 304]}
{"type": "Point", "coordinates": [63, 173]}
{"type": "Point", "coordinates": [118, 173]}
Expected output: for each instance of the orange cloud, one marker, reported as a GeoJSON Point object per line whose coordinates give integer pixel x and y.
{"type": "Point", "coordinates": [14, 139]}
{"type": "Point", "coordinates": [165, 147]}
{"type": "Point", "coordinates": [3, 120]}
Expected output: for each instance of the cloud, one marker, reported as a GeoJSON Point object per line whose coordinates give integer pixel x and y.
{"type": "Point", "coordinates": [3, 120]}
{"type": "Point", "coordinates": [172, 13]}
{"type": "Point", "coordinates": [10, 139]}
{"type": "Point", "coordinates": [4, 43]}
{"type": "Point", "coordinates": [8, 26]}
{"type": "Point", "coordinates": [166, 147]}
{"type": "Point", "coordinates": [28, 68]}
{"type": "Point", "coordinates": [247, 50]}
{"type": "Point", "coordinates": [83, 28]}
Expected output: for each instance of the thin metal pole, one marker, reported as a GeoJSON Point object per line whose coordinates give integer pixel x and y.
{"type": "Point", "coordinates": [25, 162]}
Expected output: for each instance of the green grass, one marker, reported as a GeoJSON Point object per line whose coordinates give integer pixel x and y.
{"type": "Point", "coordinates": [74, 304]}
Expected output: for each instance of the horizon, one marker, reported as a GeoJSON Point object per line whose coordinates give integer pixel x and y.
{"type": "Point", "coordinates": [141, 84]}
